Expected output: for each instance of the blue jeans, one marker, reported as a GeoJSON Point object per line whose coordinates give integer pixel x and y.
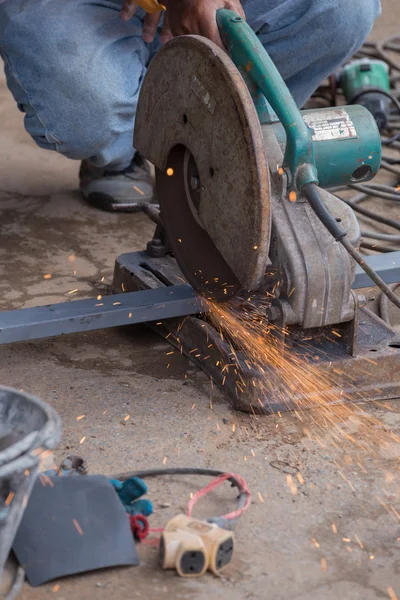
{"type": "Point", "coordinates": [75, 68]}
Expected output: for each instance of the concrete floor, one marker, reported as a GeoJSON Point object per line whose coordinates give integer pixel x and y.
{"type": "Point", "coordinates": [286, 545]}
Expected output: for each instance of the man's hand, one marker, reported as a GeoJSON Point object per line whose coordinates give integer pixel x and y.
{"type": "Point", "coordinates": [184, 17]}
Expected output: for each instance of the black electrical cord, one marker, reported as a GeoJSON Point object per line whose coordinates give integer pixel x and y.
{"type": "Point", "coordinates": [369, 213]}
{"type": "Point", "coordinates": [373, 90]}
{"type": "Point", "coordinates": [241, 499]}
{"type": "Point", "coordinates": [383, 305]}
{"type": "Point", "coordinates": [314, 198]}
{"type": "Point", "coordinates": [383, 237]}
{"type": "Point", "coordinates": [377, 248]}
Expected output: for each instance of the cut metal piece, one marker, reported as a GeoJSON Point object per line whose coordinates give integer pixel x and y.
{"type": "Point", "coordinates": [197, 123]}
{"type": "Point", "coordinates": [87, 315]}
{"type": "Point", "coordinates": [373, 374]}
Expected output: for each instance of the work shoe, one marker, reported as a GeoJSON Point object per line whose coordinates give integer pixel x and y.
{"type": "Point", "coordinates": [125, 191]}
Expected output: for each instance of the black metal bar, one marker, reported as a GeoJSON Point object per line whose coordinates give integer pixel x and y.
{"type": "Point", "coordinates": [87, 315]}
{"type": "Point", "coordinates": [386, 265]}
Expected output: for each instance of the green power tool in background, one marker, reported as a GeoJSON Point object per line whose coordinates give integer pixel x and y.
{"type": "Point", "coordinates": [366, 81]}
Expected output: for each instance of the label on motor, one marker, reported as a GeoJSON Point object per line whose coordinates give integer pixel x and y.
{"type": "Point", "coordinates": [330, 125]}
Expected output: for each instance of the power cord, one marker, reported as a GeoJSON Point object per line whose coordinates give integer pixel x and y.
{"type": "Point", "coordinates": [314, 198]}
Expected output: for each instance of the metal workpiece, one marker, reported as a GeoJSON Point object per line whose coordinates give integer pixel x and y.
{"type": "Point", "coordinates": [362, 363]}
{"type": "Point", "coordinates": [88, 315]}
{"type": "Point", "coordinates": [386, 265]}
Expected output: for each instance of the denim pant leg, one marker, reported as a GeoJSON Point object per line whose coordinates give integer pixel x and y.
{"type": "Point", "coordinates": [75, 69]}
{"type": "Point", "coordinates": [309, 39]}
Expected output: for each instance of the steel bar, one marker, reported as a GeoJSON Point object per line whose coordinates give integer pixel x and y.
{"type": "Point", "coordinates": [387, 266]}
{"type": "Point", "coordinates": [87, 315]}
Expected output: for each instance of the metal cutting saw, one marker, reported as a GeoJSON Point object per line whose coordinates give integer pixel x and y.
{"type": "Point", "coordinates": [237, 168]}
{"type": "Point", "coordinates": [242, 180]}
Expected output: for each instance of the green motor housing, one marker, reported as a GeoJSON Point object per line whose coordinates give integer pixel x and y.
{"type": "Point", "coordinates": [360, 76]}
{"type": "Point", "coordinates": [346, 144]}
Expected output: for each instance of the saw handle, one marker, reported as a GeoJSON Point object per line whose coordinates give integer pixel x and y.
{"type": "Point", "coordinates": [255, 64]}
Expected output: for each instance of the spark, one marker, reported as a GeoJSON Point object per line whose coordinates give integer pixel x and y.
{"type": "Point", "coordinates": [137, 189]}
{"type": "Point", "coordinates": [233, 427]}
{"type": "Point", "coordinates": [71, 258]}
{"type": "Point", "coordinates": [127, 418]}
{"type": "Point", "coordinates": [390, 590]}
{"type": "Point", "coordinates": [359, 542]}
{"type": "Point", "coordinates": [80, 417]}
{"type": "Point", "coordinates": [77, 526]}
{"type": "Point", "coordinates": [164, 462]}
{"type": "Point", "coordinates": [47, 276]}
{"type": "Point", "coordinates": [291, 484]}
{"type": "Point", "coordinates": [9, 498]}
{"type": "Point", "coordinates": [324, 565]}
{"type": "Point", "coordinates": [99, 297]}
{"type": "Point", "coordinates": [261, 499]}
{"type": "Point", "coordinates": [316, 544]}
{"type": "Point", "coordinates": [83, 439]}
{"type": "Point", "coordinates": [56, 587]}
{"type": "Point", "coordinates": [73, 291]}
{"type": "Point", "coordinates": [170, 171]}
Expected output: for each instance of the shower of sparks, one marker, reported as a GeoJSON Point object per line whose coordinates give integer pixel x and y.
{"type": "Point", "coordinates": [293, 378]}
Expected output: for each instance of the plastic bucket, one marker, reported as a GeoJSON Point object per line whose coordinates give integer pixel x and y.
{"type": "Point", "coordinates": [28, 428]}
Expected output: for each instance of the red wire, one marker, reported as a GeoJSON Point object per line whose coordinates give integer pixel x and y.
{"type": "Point", "coordinates": [140, 526]}
{"type": "Point", "coordinates": [215, 483]}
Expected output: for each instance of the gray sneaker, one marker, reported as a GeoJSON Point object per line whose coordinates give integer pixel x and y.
{"type": "Point", "coordinates": [125, 191]}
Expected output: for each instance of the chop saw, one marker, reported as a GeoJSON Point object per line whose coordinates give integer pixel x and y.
{"type": "Point", "coordinates": [242, 177]}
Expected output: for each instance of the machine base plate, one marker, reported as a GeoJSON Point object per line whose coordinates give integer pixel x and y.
{"type": "Point", "coordinates": [374, 372]}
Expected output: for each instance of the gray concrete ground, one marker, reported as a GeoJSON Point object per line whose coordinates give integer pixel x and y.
{"type": "Point", "coordinates": [286, 542]}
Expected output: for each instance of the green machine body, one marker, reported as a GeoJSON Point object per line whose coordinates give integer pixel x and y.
{"type": "Point", "coordinates": [330, 147]}
{"type": "Point", "coordinates": [345, 141]}
{"type": "Point", "coordinates": [365, 82]}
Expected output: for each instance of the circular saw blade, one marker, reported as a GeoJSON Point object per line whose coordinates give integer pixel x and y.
{"type": "Point", "coordinates": [197, 123]}
{"type": "Point", "coordinates": [198, 257]}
